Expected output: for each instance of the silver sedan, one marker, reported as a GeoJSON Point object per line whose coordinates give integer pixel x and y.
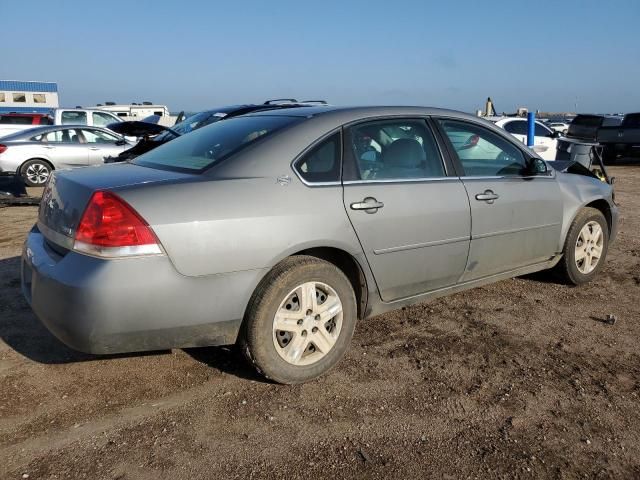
{"type": "Point", "coordinates": [36, 152]}
{"type": "Point", "coordinates": [279, 230]}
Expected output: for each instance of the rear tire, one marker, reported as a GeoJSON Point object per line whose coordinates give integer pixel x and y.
{"type": "Point", "coordinates": [36, 172]}
{"type": "Point", "coordinates": [300, 320]}
{"type": "Point", "coordinates": [585, 248]}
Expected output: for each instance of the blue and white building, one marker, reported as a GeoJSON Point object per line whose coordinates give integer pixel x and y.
{"type": "Point", "coordinates": [30, 97]}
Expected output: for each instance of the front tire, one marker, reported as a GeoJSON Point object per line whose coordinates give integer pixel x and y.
{"type": "Point", "coordinates": [300, 320]}
{"type": "Point", "coordinates": [585, 248]}
{"type": "Point", "coordinates": [36, 173]}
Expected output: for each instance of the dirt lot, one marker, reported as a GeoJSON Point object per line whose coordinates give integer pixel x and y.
{"type": "Point", "coordinates": [517, 379]}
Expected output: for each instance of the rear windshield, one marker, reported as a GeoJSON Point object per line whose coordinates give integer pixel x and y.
{"type": "Point", "coordinates": [587, 120]}
{"type": "Point", "coordinates": [206, 146]}
{"type": "Point", "coordinates": [632, 120]}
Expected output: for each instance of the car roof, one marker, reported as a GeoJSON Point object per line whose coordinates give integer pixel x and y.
{"type": "Point", "coordinates": [356, 112]}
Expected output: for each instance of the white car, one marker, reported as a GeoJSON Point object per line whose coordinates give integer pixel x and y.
{"type": "Point", "coordinates": [545, 140]}
{"type": "Point", "coordinates": [35, 153]}
{"type": "Point", "coordinates": [561, 127]}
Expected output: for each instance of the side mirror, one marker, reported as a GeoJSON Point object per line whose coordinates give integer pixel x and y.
{"type": "Point", "coordinates": [537, 166]}
{"type": "Point", "coordinates": [556, 134]}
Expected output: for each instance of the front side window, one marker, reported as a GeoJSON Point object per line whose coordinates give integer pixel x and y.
{"type": "Point", "coordinates": [39, 98]}
{"type": "Point", "coordinates": [322, 162]}
{"type": "Point", "coordinates": [209, 145]}
{"type": "Point", "coordinates": [19, 97]}
{"type": "Point", "coordinates": [542, 131]}
{"type": "Point", "coordinates": [394, 149]}
{"type": "Point", "coordinates": [2, 97]}
{"type": "Point", "coordinates": [483, 152]}
{"type": "Point", "coordinates": [74, 118]}
{"type": "Point", "coordinates": [102, 119]}
{"type": "Point", "coordinates": [97, 136]}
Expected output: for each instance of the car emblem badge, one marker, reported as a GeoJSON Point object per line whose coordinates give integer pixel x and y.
{"type": "Point", "coordinates": [283, 180]}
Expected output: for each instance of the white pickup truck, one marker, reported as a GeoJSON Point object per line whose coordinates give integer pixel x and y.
{"type": "Point", "coordinates": [59, 116]}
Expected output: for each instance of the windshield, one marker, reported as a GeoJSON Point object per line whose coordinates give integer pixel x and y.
{"type": "Point", "coordinates": [203, 148]}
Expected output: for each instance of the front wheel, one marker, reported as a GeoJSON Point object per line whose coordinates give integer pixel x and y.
{"type": "Point", "coordinates": [300, 320]}
{"type": "Point", "coordinates": [35, 172]}
{"type": "Point", "coordinates": [585, 248]}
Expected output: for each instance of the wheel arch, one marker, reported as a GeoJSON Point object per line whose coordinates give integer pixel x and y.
{"type": "Point", "coordinates": [349, 266]}
{"type": "Point", "coordinates": [603, 206]}
{"type": "Point", "coordinates": [48, 162]}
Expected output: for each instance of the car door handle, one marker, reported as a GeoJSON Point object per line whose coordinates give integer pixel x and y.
{"type": "Point", "coordinates": [488, 196]}
{"type": "Point", "coordinates": [94, 148]}
{"type": "Point", "coordinates": [369, 205]}
{"type": "Point", "coordinates": [49, 147]}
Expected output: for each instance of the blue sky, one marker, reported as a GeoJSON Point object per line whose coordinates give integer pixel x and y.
{"type": "Point", "coordinates": [544, 54]}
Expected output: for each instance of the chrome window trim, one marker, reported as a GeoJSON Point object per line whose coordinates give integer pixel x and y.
{"type": "Point", "coordinates": [292, 165]}
{"type": "Point", "coordinates": [401, 180]}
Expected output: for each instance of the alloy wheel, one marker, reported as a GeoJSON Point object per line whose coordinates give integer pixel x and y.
{"type": "Point", "coordinates": [37, 173]}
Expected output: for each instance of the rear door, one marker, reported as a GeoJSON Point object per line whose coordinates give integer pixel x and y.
{"type": "Point", "coordinates": [516, 218]}
{"type": "Point", "coordinates": [65, 149]}
{"type": "Point", "coordinates": [409, 212]}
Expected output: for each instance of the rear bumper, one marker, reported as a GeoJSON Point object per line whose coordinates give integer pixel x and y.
{"type": "Point", "coordinates": [134, 304]}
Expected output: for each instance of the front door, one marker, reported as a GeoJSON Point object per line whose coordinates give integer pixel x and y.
{"type": "Point", "coordinates": [516, 218]}
{"type": "Point", "coordinates": [101, 145]}
{"type": "Point", "coordinates": [412, 220]}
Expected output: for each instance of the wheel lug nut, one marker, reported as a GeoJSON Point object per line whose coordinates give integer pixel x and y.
{"type": "Point", "coordinates": [309, 312]}
{"type": "Point", "coordinates": [300, 322]}
{"type": "Point", "coordinates": [314, 329]}
{"type": "Point", "coordinates": [317, 317]}
{"type": "Point", "coordinates": [304, 333]}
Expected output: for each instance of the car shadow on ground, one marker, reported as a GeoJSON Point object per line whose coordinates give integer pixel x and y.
{"type": "Point", "coordinates": [227, 359]}
{"type": "Point", "coordinates": [21, 330]}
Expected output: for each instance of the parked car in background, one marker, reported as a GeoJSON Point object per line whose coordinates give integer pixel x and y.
{"type": "Point", "coordinates": [582, 137]}
{"type": "Point", "coordinates": [561, 127]}
{"type": "Point", "coordinates": [585, 127]}
{"type": "Point", "coordinates": [153, 135]}
{"type": "Point", "coordinates": [545, 140]}
{"type": "Point", "coordinates": [279, 229]}
{"type": "Point", "coordinates": [15, 122]}
{"type": "Point", "coordinates": [621, 141]}
{"type": "Point", "coordinates": [35, 153]}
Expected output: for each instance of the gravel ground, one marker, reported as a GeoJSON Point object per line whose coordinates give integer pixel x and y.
{"type": "Point", "coordinates": [521, 379]}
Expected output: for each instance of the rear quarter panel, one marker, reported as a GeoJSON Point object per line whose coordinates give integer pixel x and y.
{"type": "Point", "coordinates": [235, 224]}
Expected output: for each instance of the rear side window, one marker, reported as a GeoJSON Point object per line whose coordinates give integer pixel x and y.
{"type": "Point", "coordinates": [74, 118]}
{"type": "Point", "coordinates": [394, 150]}
{"type": "Point", "coordinates": [322, 163]}
{"type": "Point", "coordinates": [201, 149]}
{"type": "Point", "coordinates": [15, 120]}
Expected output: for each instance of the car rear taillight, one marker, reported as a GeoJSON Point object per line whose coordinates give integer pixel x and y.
{"type": "Point", "coordinates": [110, 227]}
{"type": "Point", "coordinates": [3, 148]}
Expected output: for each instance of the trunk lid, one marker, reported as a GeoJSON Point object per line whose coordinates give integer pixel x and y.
{"type": "Point", "coordinates": [68, 192]}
